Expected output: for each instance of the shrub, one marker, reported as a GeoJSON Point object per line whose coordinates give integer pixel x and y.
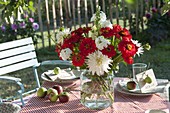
{"type": "Point", "coordinates": [157, 27]}
{"type": "Point", "coordinates": [19, 29]}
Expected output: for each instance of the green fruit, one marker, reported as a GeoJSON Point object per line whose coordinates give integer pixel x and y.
{"type": "Point", "coordinates": [56, 70]}
{"type": "Point", "coordinates": [53, 97]}
{"type": "Point", "coordinates": [49, 91]}
{"type": "Point", "coordinates": [148, 80]}
{"type": "Point", "coordinates": [42, 92]}
{"type": "Point", "coordinates": [131, 85]}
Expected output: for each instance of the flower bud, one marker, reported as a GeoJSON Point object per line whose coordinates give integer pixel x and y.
{"type": "Point", "coordinates": [147, 46]}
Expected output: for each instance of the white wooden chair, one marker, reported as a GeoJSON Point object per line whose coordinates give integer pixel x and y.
{"type": "Point", "coordinates": [18, 55]}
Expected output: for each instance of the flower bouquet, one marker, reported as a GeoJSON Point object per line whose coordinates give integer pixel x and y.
{"type": "Point", "coordinates": [98, 49]}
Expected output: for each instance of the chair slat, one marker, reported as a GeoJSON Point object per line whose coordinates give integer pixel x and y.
{"type": "Point", "coordinates": [18, 66]}
{"type": "Point", "coordinates": [15, 51]}
{"type": "Point", "coordinates": [15, 43]}
{"type": "Point", "coordinates": [18, 58]}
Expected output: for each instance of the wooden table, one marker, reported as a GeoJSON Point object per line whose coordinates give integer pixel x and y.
{"type": "Point", "coordinates": [123, 103]}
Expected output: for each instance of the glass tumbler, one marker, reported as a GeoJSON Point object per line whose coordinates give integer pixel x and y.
{"type": "Point", "coordinates": [138, 68]}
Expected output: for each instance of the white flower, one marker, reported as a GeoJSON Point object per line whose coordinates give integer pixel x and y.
{"type": "Point", "coordinates": [106, 23]}
{"type": "Point", "coordinates": [140, 48]}
{"type": "Point", "coordinates": [98, 63]}
{"type": "Point", "coordinates": [65, 53]}
{"type": "Point", "coordinates": [102, 17]}
{"type": "Point", "coordinates": [61, 35]}
{"type": "Point", "coordinates": [101, 42]}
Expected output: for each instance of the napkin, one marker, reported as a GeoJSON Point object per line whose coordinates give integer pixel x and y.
{"type": "Point", "coordinates": [159, 88]}
{"type": "Point", "coordinates": [50, 75]}
{"type": "Point", "coordinates": [62, 75]}
{"type": "Point", "coordinates": [162, 81]}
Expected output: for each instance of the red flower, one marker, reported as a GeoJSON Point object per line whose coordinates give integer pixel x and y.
{"type": "Point", "coordinates": [106, 32]}
{"type": "Point", "coordinates": [87, 45]}
{"type": "Point", "coordinates": [67, 45]}
{"type": "Point", "coordinates": [128, 60]}
{"type": "Point", "coordinates": [80, 30]}
{"type": "Point", "coordinates": [128, 49]}
{"type": "Point", "coordinates": [78, 60]}
{"type": "Point", "coordinates": [74, 38]}
{"type": "Point", "coordinates": [127, 37]}
{"type": "Point", "coordinates": [109, 51]}
{"type": "Point", "coordinates": [116, 30]}
{"type": "Point", "coordinates": [86, 29]}
{"type": "Point", "coordinates": [124, 32]}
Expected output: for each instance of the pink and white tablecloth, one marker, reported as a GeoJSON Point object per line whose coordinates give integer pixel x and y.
{"type": "Point", "coordinates": [122, 104]}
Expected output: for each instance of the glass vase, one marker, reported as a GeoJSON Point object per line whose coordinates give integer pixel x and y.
{"type": "Point", "coordinates": [97, 92]}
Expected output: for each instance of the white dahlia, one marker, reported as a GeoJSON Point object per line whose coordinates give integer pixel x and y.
{"type": "Point", "coordinates": [98, 63]}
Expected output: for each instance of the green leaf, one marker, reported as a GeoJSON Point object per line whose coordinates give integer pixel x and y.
{"type": "Point", "coordinates": [2, 2]}
{"type": "Point", "coordinates": [165, 8]}
{"type": "Point", "coordinates": [31, 3]}
{"type": "Point", "coordinates": [31, 8]}
{"type": "Point", "coordinates": [130, 1]}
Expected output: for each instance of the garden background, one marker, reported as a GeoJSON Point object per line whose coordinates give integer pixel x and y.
{"type": "Point", "coordinates": [148, 21]}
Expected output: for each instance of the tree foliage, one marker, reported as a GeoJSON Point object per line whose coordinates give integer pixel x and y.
{"type": "Point", "coordinates": [11, 8]}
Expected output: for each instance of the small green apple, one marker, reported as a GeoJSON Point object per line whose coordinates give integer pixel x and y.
{"type": "Point", "coordinates": [49, 91]}
{"type": "Point", "coordinates": [56, 70]}
{"type": "Point", "coordinates": [42, 92]}
{"type": "Point", "coordinates": [52, 90]}
{"type": "Point", "coordinates": [53, 97]}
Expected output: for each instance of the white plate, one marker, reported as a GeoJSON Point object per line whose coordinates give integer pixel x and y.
{"type": "Point", "coordinates": [65, 76]}
{"type": "Point", "coordinates": [136, 92]}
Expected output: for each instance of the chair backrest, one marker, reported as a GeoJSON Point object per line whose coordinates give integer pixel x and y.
{"type": "Point", "coordinates": [17, 55]}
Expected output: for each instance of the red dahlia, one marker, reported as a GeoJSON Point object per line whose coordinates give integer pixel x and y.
{"type": "Point", "coordinates": [109, 51]}
{"type": "Point", "coordinates": [127, 38]}
{"type": "Point", "coordinates": [106, 32]}
{"type": "Point", "coordinates": [78, 31]}
{"type": "Point", "coordinates": [116, 30]}
{"type": "Point", "coordinates": [78, 60]}
{"type": "Point", "coordinates": [128, 49]}
{"type": "Point", "coordinates": [87, 45]}
{"type": "Point", "coordinates": [67, 45]}
{"type": "Point", "coordinates": [86, 29]}
{"type": "Point", "coordinates": [128, 60]}
{"type": "Point", "coordinates": [74, 38]}
{"type": "Point", "coordinates": [124, 32]}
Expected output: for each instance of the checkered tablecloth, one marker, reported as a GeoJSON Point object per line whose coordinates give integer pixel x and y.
{"type": "Point", "coordinates": [122, 104]}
